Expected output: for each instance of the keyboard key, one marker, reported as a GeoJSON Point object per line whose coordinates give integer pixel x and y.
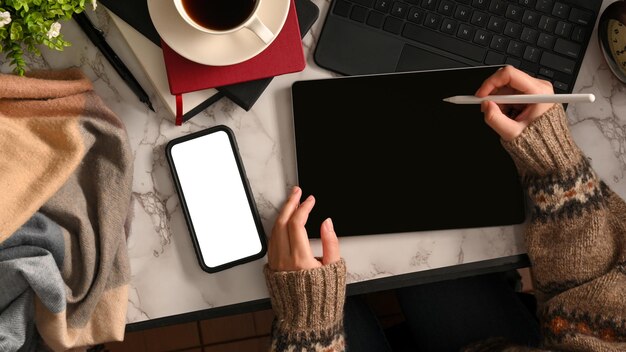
{"type": "Point", "coordinates": [499, 43]}
{"type": "Point", "coordinates": [414, 2]}
{"type": "Point", "coordinates": [497, 7]}
{"type": "Point", "coordinates": [399, 9]}
{"type": "Point", "coordinates": [466, 32]}
{"type": "Point", "coordinates": [513, 62]}
{"type": "Point", "coordinates": [563, 77]}
{"type": "Point", "coordinates": [529, 67]}
{"type": "Point", "coordinates": [342, 8]}
{"type": "Point", "coordinates": [546, 72]}
{"type": "Point", "coordinates": [432, 21]}
{"type": "Point", "coordinates": [393, 25]}
{"type": "Point", "coordinates": [516, 48]}
{"type": "Point", "coordinates": [528, 3]}
{"type": "Point", "coordinates": [482, 37]}
{"type": "Point", "coordinates": [429, 4]}
{"type": "Point", "coordinates": [444, 42]}
{"type": "Point", "coordinates": [531, 18]}
{"type": "Point", "coordinates": [581, 17]}
{"type": "Point", "coordinates": [547, 24]}
{"type": "Point", "coordinates": [466, 2]}
{"type": "Point", "coordinates": [578, 34]}
{"type": "Point", "coordinates": [560, 85]}
{"type": "Point", "coordinates": [496, 24]}
{"type": "Point", "coordinates": [544, 6]}
{"type": "Point", "coordinates": [532, 54]}
{"type": "Point", "coordinates": [546, 41]}
{"type": "Point", "coordinates": [480, 4]}
{"type": "Point", "coordinates": [494, 58]}
{"type": "Point", "coordinates": [529, 35]}
{"type": "Point", "coordinates": [463, 13]}
{"type": "Point", "coordinates": [564, 29]}
{"type": "Point", "coordinates": [383, 5]}
{"type": "Point", "coordinates": [514, 13]}
{"type": "Point", "coordinates": [448, 26]}
{"type": "Point", "coordinates": [558, 63]}
{"type": "Point", "coordinates": [366, 3]}
{"type": "Point", "coordinates": [375, 19]}
{"type": "Point", "coordinates": [358, 13]}
{"type": "Point", "coordinates": [513, 30]}
{"type": "Point", "coordinates": [560, 10]}
{"type": "Point", "coordinates": [446, 8]}
{"type": "Point", "coordinates": [479, 19]}
{"type": "Point", "coordinates": [415, 15]}
{"type": "Point", "coordinates": [567, 48]}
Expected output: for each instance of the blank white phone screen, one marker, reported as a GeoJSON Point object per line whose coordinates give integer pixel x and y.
{"type": "Point", "coordinates": [216, 199]}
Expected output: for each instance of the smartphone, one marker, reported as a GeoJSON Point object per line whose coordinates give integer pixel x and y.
{"type": "Point", "coordinates": [216, 199]}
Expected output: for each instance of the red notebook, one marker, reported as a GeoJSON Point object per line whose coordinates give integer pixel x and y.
{"type": "Point", "coordinates": [284, 55]}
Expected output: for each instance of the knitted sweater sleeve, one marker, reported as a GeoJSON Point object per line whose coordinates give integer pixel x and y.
{"type": "Point", "coordinates": [576, 240]}
{"type": "Point", "coordinates": [308, 305]}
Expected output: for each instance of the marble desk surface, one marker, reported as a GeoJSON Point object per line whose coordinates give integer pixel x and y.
{"type": "Point", "coordinates": [166, 279]}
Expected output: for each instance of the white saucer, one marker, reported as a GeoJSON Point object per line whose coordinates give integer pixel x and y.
{"type": "Point", "coordinates": [215, 50]}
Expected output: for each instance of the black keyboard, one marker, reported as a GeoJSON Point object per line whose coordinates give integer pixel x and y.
{"type": "Point", "coordinates": [545, 38]}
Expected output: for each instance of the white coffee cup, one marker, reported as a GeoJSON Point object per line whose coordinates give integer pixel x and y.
{"type": "Point", "coordinates": [252, 23]}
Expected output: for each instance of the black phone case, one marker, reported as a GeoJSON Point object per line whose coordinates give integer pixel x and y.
{"type": "Point", "coordinates": [246, 185]}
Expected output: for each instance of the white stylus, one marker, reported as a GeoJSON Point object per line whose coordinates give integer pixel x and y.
{"type": "Point", "coordinates": [524, 99]}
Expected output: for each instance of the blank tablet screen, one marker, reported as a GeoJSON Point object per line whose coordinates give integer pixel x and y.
{"type": "Point", "coordinates": [384, 154]}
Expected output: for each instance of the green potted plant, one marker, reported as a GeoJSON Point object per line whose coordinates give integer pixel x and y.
{"type": "Point", "coordinates": [29, 24]}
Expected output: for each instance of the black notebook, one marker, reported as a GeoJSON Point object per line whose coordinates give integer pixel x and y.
{"type": "Point", "coordinates": [384, 154]}
{"type": "Point", "coordinates": [135, 13]}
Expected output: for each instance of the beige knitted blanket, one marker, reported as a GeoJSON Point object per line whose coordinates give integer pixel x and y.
{"type": "Point", "coordinates": [66, 155]}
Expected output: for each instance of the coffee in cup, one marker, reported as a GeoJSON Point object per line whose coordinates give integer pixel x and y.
{"type": "Point", "coordinates": [224, 16]}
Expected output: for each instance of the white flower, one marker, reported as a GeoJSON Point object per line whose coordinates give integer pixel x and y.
{"type": "Point", "coordinates": [54, 31]}
{"type": "Point", "coordinates": [94, 4]}
{"type": "Point", "coordinates": [5, 18]}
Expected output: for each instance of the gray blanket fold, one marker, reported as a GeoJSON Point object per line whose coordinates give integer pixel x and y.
{"type": "Point", "coordinates": [29, 265]}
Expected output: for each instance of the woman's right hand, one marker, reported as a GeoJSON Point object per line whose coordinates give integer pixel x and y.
{"type": "Point", "coordinates": [509, 121]}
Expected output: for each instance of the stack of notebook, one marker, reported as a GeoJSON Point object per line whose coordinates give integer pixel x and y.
{"type": "Point", "coordinates": [242, 83]}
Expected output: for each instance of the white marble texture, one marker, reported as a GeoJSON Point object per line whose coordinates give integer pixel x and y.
{"type": "Point", "coordinates": [166, 279]}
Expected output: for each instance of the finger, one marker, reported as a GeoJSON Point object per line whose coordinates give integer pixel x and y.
{"type": "Point", "coordinates": [523, 116]}
{"type": "Point", "coordinates": [279, 241]}
{"type": "Point", "coordinates": [508, 76]}
{"type": "Point", "coordinates": [289, 208]}
{"type": "Point", "coordinates": [298, 238]}
{"type": "Point", "coordinates": [330, 243]}
{"type": "Point", "coordinates": [531, 113]}
{"type": "Point", "coordinates": [507, 128]}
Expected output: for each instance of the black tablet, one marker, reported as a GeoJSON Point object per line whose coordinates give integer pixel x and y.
{"type": "Point", "coordinates": [384, 154]}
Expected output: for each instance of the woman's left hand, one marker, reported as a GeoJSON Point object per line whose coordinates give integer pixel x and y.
{"type": "Point", "coordinates": [289, 248]}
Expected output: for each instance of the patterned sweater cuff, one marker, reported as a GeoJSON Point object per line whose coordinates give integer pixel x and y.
{"type": "Point", "coordinates": [308, 299]}
{"type": "Point", "coordinates": [546, 146]}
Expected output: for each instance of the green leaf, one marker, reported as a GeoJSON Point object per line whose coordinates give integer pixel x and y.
{"type": "Point", "coordinates": [16, 31]}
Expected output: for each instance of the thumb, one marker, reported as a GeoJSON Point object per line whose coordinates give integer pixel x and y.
{"type": "Point", "coordinates": [330, 243]}
{"type": "Point", "coordinates": [506, 127]}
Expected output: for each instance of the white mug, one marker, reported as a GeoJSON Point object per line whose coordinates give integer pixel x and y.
{"type": "Point", "coordinates": [252, 23]}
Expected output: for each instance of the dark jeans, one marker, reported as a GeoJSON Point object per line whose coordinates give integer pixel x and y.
{"type": "Point", "coordinates": [446, 316]}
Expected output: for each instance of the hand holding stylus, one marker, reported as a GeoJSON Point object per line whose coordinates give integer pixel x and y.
{"type": "Point", "coordinates": [509, 120]}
